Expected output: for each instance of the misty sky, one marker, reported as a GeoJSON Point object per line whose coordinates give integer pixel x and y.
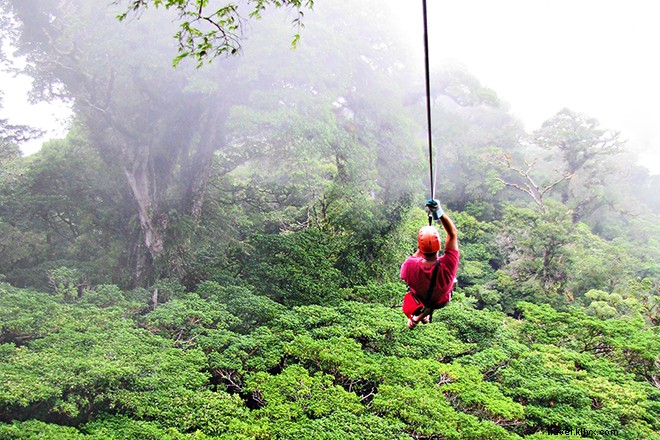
{"type": "Point", "coordinates": [598, 57]}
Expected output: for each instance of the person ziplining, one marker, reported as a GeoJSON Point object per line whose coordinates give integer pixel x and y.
{"type": "Point", "coordinates": [430, 277]}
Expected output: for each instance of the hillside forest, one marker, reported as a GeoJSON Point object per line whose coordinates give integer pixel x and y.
{"type": "Point", "coordinates": [213, 249]}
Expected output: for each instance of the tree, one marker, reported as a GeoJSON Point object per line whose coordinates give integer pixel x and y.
{"type": "Point", "coordinates": [321, 148]}
{"type": "Point", "coordinates": [526, 182]}
{"type": "Point", "coordinates": [157, 126]}
{"type": "Point", "coordinates": [585, 152]}
{"type": "Point", "coordinates": [339, 132]}
{"type": "Point", "coordinates": [161, 127]}
{"type": "Point", "coordinates": [64, 209]}
{"type": "Point", "coordinates": [536, 254]}
{"type": "Point", "coordinates": [206, 34]}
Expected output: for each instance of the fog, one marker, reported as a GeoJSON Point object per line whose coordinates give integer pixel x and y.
{"type": "Point", "coordinates": [594, 57]}
{"type": "Point", "coordinates": [216, 252]}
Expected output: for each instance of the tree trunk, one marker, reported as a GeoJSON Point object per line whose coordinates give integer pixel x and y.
{"type": "Point", "coordinates": [154, 298]}
{"type": "Point", "coordinates": [139, 174]}
{"type": "Point", "coordinates": [198, 173]}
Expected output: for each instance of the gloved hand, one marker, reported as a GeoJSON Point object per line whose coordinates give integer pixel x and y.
{"type": "Point", "coordinates": [435, 209]}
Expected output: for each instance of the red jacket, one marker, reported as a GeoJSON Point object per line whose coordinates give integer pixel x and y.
{"type": "Point", "coordinates": [417, 273]}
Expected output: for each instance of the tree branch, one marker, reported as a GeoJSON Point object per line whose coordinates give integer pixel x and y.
{"type": "Point", "coordinates": [530, 187]}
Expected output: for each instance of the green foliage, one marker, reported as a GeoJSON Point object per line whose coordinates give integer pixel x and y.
{"type": "Point", "coordinates": [27, 315]}
{"type": "Point", "coordinates": [592, 265]}
{"type": "Point", "coordinates": [293, 398]}
{"type": "Point", "coordinates": [471, 394]}
{"type": "Point", "coordinates": [477, 256]}
{"type": "Point", "coordinates": [250, 309]}
{"type": "Point", "coordinates": [388, 293]}
{"type": "Point", "coordinates": [624, 342]}
{"type": "Point", "coordinates": [167, 289]}
{"type": "Point", "coordinates": [75, 361]}
{"type": "Point", "coordinates": [268, 208]}
{"type": "Point", "coordinates": [192, 368]}
{"type": "Point", "coordinates": [63, 209]}
{"type": "Point", "coordinates": [297, 267]}
{"type": "Point", "coordinates": [184, 320]}
{"type": "Point", "coordinates": [65, 282]}
{"type": "Point", "coordinates": [537, 250]}
{"type": "Point", "coordinates": [125, 428]}
{"type": "Point", "coordinates": [557, 389]}
{"type": "Point", "coordinates": [469, 325]}
{"type": "Point", "coordinates": [184, 409]}
{"type": "Point", "coordinates": [646, 294]}
{"type": "Point", "coordinates": [105, 295]}
{"type": "Point", "coordinates": [36, 429]}
{"type": "Point", "coordinates": [203, 43]}
{"type": "Point", "coordinates": [426, 412]}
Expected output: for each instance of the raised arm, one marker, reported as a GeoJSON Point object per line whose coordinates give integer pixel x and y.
{"type": "Point", "coordinates": [437, 213]}
{"type": "Point", "coordinates": [452, 233]}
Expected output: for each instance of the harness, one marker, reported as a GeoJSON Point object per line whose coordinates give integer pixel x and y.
{"type": "Point", "coordinates": [428, 309]}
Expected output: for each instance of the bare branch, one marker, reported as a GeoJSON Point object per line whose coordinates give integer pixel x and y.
{"type": "Point", "coordinates": [529, 186]}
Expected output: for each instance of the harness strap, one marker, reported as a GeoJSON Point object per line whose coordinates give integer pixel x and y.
{"type": "Point", "coordinates": [429, 293]}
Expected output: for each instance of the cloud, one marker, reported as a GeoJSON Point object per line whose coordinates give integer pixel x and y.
{"type": "Point", "coordinates": [597, 57]}
{"type": "Point", "coordinates": [50, 117]}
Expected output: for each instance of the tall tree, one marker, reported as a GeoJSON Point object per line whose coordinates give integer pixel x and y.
{"type": "Point", "coordinates": [158, 125]}
{"type": "Point", "coordinates": [318, 115]}
{"type": "Point", "coordinates": [161, 126]}
{"type": "Point", "coordinates": [584, 151]}
{"type": "Point", "coordinates": [536, 254]}
{"type": "Point", "coordinates": [322, 139]}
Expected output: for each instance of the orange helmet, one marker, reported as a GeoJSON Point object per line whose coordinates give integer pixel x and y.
{"type": "Point", "coordinates": [428, 240]}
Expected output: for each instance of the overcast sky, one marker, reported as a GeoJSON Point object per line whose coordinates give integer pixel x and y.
{"type": "Point", "coordinates": [52, 118]}
{"type": "Point", "coordinates": [598, 57]}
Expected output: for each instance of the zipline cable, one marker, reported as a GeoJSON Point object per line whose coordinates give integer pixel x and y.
{"type": "Point", "coordinates": [435, 178]}
{"type": "Point", "coordinates": [428, 102]}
